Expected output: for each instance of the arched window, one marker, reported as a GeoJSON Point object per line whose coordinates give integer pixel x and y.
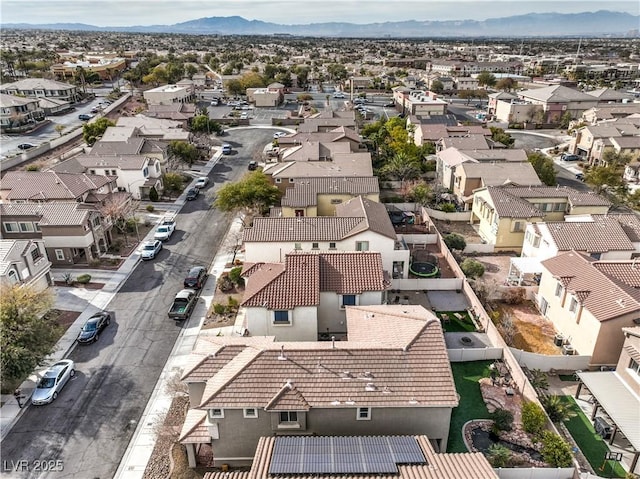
{"type": "Point", "coordinates": [13, 277]}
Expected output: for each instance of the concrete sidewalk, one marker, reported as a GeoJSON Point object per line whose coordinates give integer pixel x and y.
{"type": "Point", "coordinates": [87, 302]}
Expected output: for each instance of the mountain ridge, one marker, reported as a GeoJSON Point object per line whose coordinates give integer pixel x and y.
{"type": "Point", "coordinates": [601, 22]}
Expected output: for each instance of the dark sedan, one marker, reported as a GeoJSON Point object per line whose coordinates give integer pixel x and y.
{"type": "Point", "coordinates": [192, 194]}
{"type": "Point", "coordinates": [195, 277]}
{"type": "Point", "coordinates": [91, 330]}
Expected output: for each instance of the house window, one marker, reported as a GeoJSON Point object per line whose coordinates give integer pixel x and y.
{"type": "Point", "coordinates": [517, 226]}
{"type": "Point", "coordinates": [634, 366]}
{"type": "Point", "coordinates": [574, 305]}
{"type": "Point", "coordinates": [558, 207]}
{"type": "Point", "coordinates": [559, 289]}
{"type": "Point", "coordinates": [36, 254]}
{"type": "Point", "coordinates": [315, 246]}
{"type": "Point", "coordinates": [364, 414]}
{"type": "Point", "coordinates": [298, 246]}
{"type": "Point", "coordinates": [288, 417]}
{"type": "Point", "coordinates": [278, 180]}
{"type": "Point", "coordinates": [596, 255]}
{"type": "Point", "coordinates": [292, 180]}
{"type": "Point", "coordinates": [26, 227]}
{"type": "Point", "coordinates": [96, 221]}
{"type": "Point", "coordinates": [59, 255]}
{"type": "Point", "coordinates": [336, 201]}
{"type": "Point", "coordinates": [362, 246]}
{"type": "Point", "coordinates": [281, 317]}
{"type": "Point", "coordinates": [11, 227]}
{"type": "Point", "coordinates": [36, 226]}
{"type": "Point", "coordinates": [348, 300]}
{"type": "Point", "coordinates": [250, 412]}
{"type": "Point", "coordinates": [216, 413]}
{"type": "Point", "coordinates": [13, 277]}
{"type": "Point", "coordinates": [332, 246]}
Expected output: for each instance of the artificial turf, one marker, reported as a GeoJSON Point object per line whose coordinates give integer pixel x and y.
{"type": "Point", "coordinates": [455, 325]}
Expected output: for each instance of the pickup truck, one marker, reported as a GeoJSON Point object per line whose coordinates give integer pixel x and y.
{"type": "Point", "coordinates": [165, 229]}
{"type": "Point", "coordinates": [183, 304]}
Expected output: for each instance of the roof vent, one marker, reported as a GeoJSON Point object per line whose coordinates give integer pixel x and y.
{"type": "Point", "coordinates": [370, 387]}
{"type": "Point", "coordinates": [386, 390]}
{"type": "Point", "coordinates": [281, 356]}
{"type": "Point", "coordinates": [349, 402]}
{"type": "Point", "coordinates": [413, 401]}
{"type": "Point", "coordinates": [335, 402]}
{"type": "Point", "coordinates": [346, 375]}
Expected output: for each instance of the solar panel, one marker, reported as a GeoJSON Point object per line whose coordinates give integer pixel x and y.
{"type": "Point", "coordinates": [343, 454]}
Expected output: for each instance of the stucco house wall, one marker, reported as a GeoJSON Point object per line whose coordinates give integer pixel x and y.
{"type": "Point", "coordinates": [303, 324]}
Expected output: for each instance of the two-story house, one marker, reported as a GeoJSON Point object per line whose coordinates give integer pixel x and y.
{"type": "Point", "coordinates": [391, 377]}
{"type": "Point", "coordinates": [18, 113]}
{"type": "Point", "coordinates": [340, 134]}
{"type": "Point", "coordinates": [43, 88]}
{"type": "Point", "coordinates": [589, 302]}
{"type": "Point", "coordinates": [168, 94]}
{"type": "Point", "coordinates": [23, 262]}
{"type": "Point", "coordinates": [358, 225]}
{"type": "Point", "coordinates": [590, 142]}
{"type": "Point", "coordinates": [501, 213]}
{"type": "Point", "coordinates": [304, 297]}
{"type": "Point", "coordinates": [557, 100]}
{"type": "Point", "coordinates": [133, 146]}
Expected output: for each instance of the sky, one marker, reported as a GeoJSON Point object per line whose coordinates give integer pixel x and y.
{"type": "Point", "coordinates": [162, 12]}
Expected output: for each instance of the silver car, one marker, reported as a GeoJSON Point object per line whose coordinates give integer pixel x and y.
{"type": "Point", "coordinates": [52, 382]}
{"type": "Point", "coordinates": [150, 249]}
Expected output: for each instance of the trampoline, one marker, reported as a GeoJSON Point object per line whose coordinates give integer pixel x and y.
{"type": "Point", "coordinates": [424, 269]}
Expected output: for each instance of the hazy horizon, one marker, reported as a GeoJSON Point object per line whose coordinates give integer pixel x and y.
{"type": "Point", "coordinates": [120, 13]}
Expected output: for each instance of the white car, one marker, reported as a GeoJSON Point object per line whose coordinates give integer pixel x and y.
{"type": "Point", "coordinates": [201, 182]}
{"type": "Point", "coordinates": [279, 134]}
{"type": "Point", "coordinates": [52, 382]}
{"type": "Point", "coordinates": [163, 232]}
{"type": "Point", "coordinates": [150, 249]}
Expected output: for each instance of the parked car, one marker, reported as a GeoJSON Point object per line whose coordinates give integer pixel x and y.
{"type": "Point", "coordinates": [580, 176]}
{"type": "Point", "coordinates": [192, 194]}
{"type": "Point", "coordinates": [26, 146]}
{"type": "Point", "coordinates": [52, 382]}
{"type": "Point", "coordinates": [226, 149]}
{"type": "Point", "coordinates": [164, 232]}
{"type": "Point", "coordinates": [195, 278]}
{"type": "Point", "coordinates": [279, 134]}
{"type": "Point", "coordinates": [253, 165]}
{"type": "Point", "coordinates": [150, 249]}
{"type": "Point", "coordinates": [566, 157]}
{"type": "Point", "coordinates": [183, 304]}
{"type": "Point", "coordinates": [389, 105]}
{"type": "Point", "coordinates": [85, 116]}
{"type": "Point", "coordinates": [338, 95]}
{"type": "Point", "coordinates": [92, 328]}
{"type": "Point", "coordinates": [201, 182]}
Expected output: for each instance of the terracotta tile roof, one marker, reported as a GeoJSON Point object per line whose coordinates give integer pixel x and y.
{"type": "Point", "coordinates": [436, 466]}
{"type": "Point", "coordinates": [194, 429]}
{"type": "Point", "coordinates": [123, 162]}
{"type": "Point", "coordinates": [342, 164]}
{"type": "Point", "coordinates": [200, 367]}
{"type": "Point", "coordinates": [375, 215]}
{"type": "Point", "coordinates": [626, 272]}
{"type": "Point", "coordinates": [629, 221]}
{"type": "Point", "coordinates": [49, 185]}
{"type": "Point", "coordinates": [288, 399]}
{"type": "Point", "coordinates": [366, 373]}
{"type": "Point", "coordinates": [305, 191]}
{"type": "Point", "coordinates": [300, 280]}
{"type": "Point", "coordinates": [130, 146]}
{"type": "Point", "coordinates": [605, 296]}
{"type": "Point", "coordinates": [501, 173]}
{"type": "Point", "coordinates": [315, 151]}
{"type": "Point", "coordinates": [309, 228]}
{"type": "Point", "coordinates": [573, 196]}
{"type": "Point", "coordinates": [51, 214]}
{"type": "Point", "coordinates": [593, 237]}
{"type": "Point", "coordinates": [509, 206]}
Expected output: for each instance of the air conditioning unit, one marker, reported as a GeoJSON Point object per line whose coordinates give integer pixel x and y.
{"type": "Point", "coordinates": [558, 340]}
{"type": "Point", "coordinates": [568, 350]}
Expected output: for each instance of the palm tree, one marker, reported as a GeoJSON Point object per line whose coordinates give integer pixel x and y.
{"type": "Point", "coordinates": [557, 409]}
{"type": "Point", "coordinates": [498, 455]}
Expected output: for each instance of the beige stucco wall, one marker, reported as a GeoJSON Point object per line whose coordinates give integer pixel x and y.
{"type": "Point", "coordinates": [326, 207]}
{"type": "Point", "coordinates": [288, 212]}
{"type": "Point", "coordinates": [632, 378]}
{"type": "Point", "coordinates": [332, 318]}
{"type": "Point", "coordinates": [303, 327]}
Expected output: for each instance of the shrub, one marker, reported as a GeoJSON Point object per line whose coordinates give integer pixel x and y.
{"type": "Point", "coordinates": [498, 455]}
{"type": "Point", "coordinates": [224, 283]}
{"type": "Point", "coordinates": [235, 276]}
{"type": "Point", "coordinates": [448, 207]}
{"type": "Point", "coordinates": [153, 194]}
{"type": "Point", "coordinates": [33, 168]}
{"type": "Point", "coordinates": [219, 308]}
{"type": "Point", "coordinates": [514, 296]}
{"type": "Point", "coordinates": [472, 268]}
{"type": "Point", "coordinates": [455, 241]}
{"type": "Point", "coordinates": [557, 409]}
{"type": "Point", "coordinates": [533, 418]}
{"type": "Point", "coordinates": [131, 225]}
{"type": "Point", "coordinates": [232, 303]}
{"type": "Point", "coordinates": [502, 420]}
{"type": "Point", "coordinates": [83, 278]}
{"type": "Point", "coordinates": [150, 208]}
{"type": "Point", "coordinates": [555, 451]}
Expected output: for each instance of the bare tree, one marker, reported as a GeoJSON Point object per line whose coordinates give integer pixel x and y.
{"type": "Point", "coordinates": [120, 207]}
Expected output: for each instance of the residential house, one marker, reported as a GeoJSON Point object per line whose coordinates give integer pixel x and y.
{"type": "Point", "coordinates": [589, 303]}
{"type": "Point", "coordinates": [324, 457]}
{"type": "Point", "coordinates": [19, 114]}
{"type": "Point", "coordinates": [106, 67]}
{"type": "Point", "coordinates": [431, 129]}
{"type": "Point", "coordinates": [304, 297]}
{"type": "Point", "coordinates": [602, 239]}
{"type": "Point", "coordinates": [320, 196]}
{"type": "Point", "coordinates": [392, 377]}
{"type": "Point", "coordinates": [45, 186]}
{"type": "Point", "coordinates": [24, 263]}
{"type": "Point", "coordinates": [125, 145]}
{"type": "Point", "coordinates": [358, 225]}
{"type": "Point", "coordinates": [169, 94]}
{"type": "Point", "coordinates": [593, 116]}
{"type": "Point", "coordinates": [341, 134]}
{"type": "Point", "coordinates": [136, 174]}
{"type": "Point", "coordinates": [610, 95]}
{"type": "Point", "coordinates": [72, 233]}
{"type": "Point", "coordinates": [323, 123]}
{"type": "Point", "coordinates": [153, 128]}
{"type": "Point", "coordinates": [419, 102]}
{"type": "Point", "coordinates": [471, 175]}
{"type": "Point", "coordinates": [358, 83]}
{"type": "Point", "coordinates": [467, 83]}
{"type": "Point", "coordinates": [617, 393]}
{"type": "Point", "coordinates": [42, 88]}
{"type": "Point", "coordinates": [183, 112]}
{"type": "Point", "coordinates": [502, 212]}
{"type": "Point", "coordinates": [494, 98]}
{"type": "Point", "coordinates": [620, 135]}
{"type": "Point", "coordinates": [558, 100]}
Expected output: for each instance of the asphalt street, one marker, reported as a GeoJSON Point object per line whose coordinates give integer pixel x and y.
{"type": "Point", "coordinates": [85, 432]}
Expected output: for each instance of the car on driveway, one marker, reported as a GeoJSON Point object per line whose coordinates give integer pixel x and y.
{"type": "Point", "coordinates": [164, 232]}
{"type": "Point", "coordinates": [92, 328]}
{"type": "Point", "coordinates": [195, 278]}
{"type": "Point", "coordinates": [52, 382]}
{"type": "Point", "coordinates": [201, 182]}
{"type": "Point", "coordinates": [192, 194]}
{"type": "Point", "coordinates": [226, 149]}
{"type": "Point", "coordinates": [566, 157]}
{"type": "Point", "coordinates": [150, 249]}
{"type": "Point", "coordinates": [85, 116]}
{"type": "Point", "coordinates": [253, 165]}
{"type": "Point", "coordinates": [26, 146]}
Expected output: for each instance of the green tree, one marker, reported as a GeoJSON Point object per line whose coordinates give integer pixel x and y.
{"type": "Point", "coordinates": [454, 241]}
{"type": "Point", "coordinates": [498, 455]}
{"type": "Point", "coordinates": [565, 119]}
{"type": "Point", "coordinates": [27, 337]}
{"type": "Point", "coordinates": [555, 451]}
{"type": "Point", "coordinates": [604, 177]}
{"type": "Point", "coordinates": [421, 193]}
{"type": "Point", "coordinates": [253, 194]}
{"type": "Point", "coordinates": [437, 86]}
{"type": "Point", "coordinates": [234, 87]}
{"type": "Point", "coordinates": [184, 151]}
{"type": "Point", "coordinates": [190, 70]}
{"type": "Point", "coordinates": [544, 167]}
{"type": "Point", "coordinates": [401, 167]}
{"type": "Point", "coordinates": [486, 79]}
{"type": "Point", "coordinates": [506, 84]}
{"type": "Point", "coordinates": [336, 71]}
{"type": "Point", "coordinates": [173, 182]}
{"type": "Point", "coordinates": [502, 419]}
{"type": "Point", "coordinates": [533, 418]}
{"type": "Point", "coordinates": [557, 409]}
{"type": "Point", "coordinates": [153, 194]}
{"type": "Point", "coordinates": [499, 135]}
{"type": "Point", "coordinates": [472, 268]}
{"type": "Point", "coordinates": [94, 130]}
{"type": "Point", "coordinates": [59, 129]}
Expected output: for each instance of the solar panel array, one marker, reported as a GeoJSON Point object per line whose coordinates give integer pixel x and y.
{"type": "Point", "coordinates": [343, 454]}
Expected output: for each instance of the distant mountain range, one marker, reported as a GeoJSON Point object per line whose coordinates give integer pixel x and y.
{"type": "Point", "coordinates": [600, 23]}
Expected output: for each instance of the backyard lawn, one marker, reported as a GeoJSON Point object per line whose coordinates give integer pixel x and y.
{"type": "Point", "coordinates": [466, 376]}
{"type": "Point", "coordinates": [591, 445]}
{"type": "Point", "coordinates": [455, 325]}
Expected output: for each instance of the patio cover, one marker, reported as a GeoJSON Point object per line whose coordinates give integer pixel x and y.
{"type": "Point", "coordinates": [619, 402]}
{"type": "Point", "coordinates": [524, 265]}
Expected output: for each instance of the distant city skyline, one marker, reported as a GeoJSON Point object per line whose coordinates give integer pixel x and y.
{"type": "Point", "coordinates": [119, 13]}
